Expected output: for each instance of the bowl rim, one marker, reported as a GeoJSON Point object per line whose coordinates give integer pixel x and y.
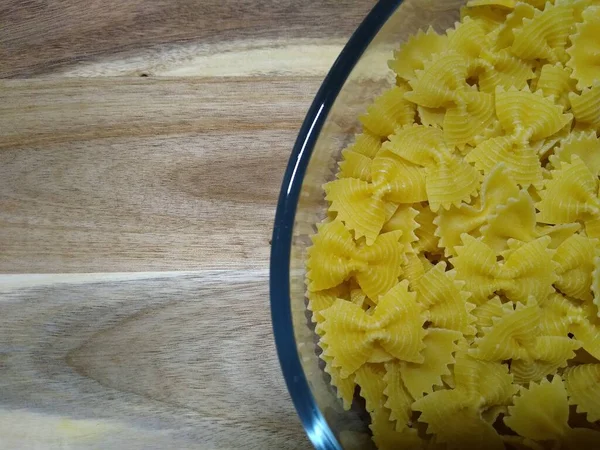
{"type": "Point", "coordinates": [315, 425]}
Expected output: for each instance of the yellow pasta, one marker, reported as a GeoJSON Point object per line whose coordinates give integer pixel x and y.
{"type": "Point", "coordinates": [427, 241]}
{"type": "Point", "coordinates": [469, 39]}
{"type": "Point", "coordinates": [411, 55]}
{"type": "Point", "coordinates": [521, 161]}
{"type": "Point", "coordinates": [438, 354]}
{"type": "Point", "coordinates": [456, 416]}
{"type": "Point", "coordinates": [545, 35]}
{"type": "Point", "coordinates": [403, 220]}
{"type": "Point", "coordinates": [549, 354]}
{"type": "Point", "coordinates": [320, 300]}
{"type": "Point", "coordinates": [436, 84]}
{"type": "Point", "coordinates": [425, 146]}
{"type": "Point", "coordinates": [541, 413]}
{"type": "Point", "coordinates": [585, 145]}
{"type": "Point", "coordinates": [447, 306]}
{"type": "Point", "coordinates": [555, 80]}
{"type": "Point", "coordinates": [510, 4]}
{"type": "Point", "coordinates": [503, 3]}
{"type": "Point", "coordinates": [496, 189]}
{"type": "Point", "coordinates": [559, 316]}
{"type": "Point", "coordinates": [414, 268]}
{"type": "Point", "coordinates": [587, 331]}
{"type": "Point", "coordinates": [489, 382]}
{"type": "Point", "coordinates": [344, 386]}
{"type": "Point", "coordinates": [456, 280]}
{"type": "Point", "coordinates": [586, 106]}
{"type": "Point", "coordinates": [583, 386]}
{"type": "Point", "coordinates": [387, 438]}
{"type": "Point", "coordinates": [558, 233]}
{"type": "Point", "coordinates": [335, 258]}
{"type": "Point", "coordinates": [486, 312]}
{"type": "Point", "coordinates": [452, 418]}
{"type": "Point", "coordinates": [431, 117]}
{"type": "Point", "coordinates": [513, 220]}
{"type": "Point", "coordinates": [357, 159]}
{"type": "Point", "coordinates": [363, 207]}
{"type": "Point", "coordinates": [472, 113]}
{"type": "Point", "coordinates": [502, 69]}
{"type": "Point", "coordinates": [595, 285]}
{"type": "Point", "coordinates": [516, 334]}
{"type": "Point", "coordinates": [489, 18]}
{"type": "Point", "coordinates": [399, 399]}
{"type": "Point", "coordinates": [504, 34]}
{"type": "Point", "coordinates": [443, 83]}
{"type": "Point", "coordinates": [570, 195]}
{"type": "Point", "coordinates": [528, 271]}
{"type": "Point", "coordinates": [518, 149]}
{"type": "Point", "coordinates": [389, 112]}
{"type": "Point", "coordinates": [369, 378]}
{"type": "Point", "coordinates": [585, 49]}
{"type": "Point", "coordinates": [511, 336]}
{"type": "Point", "coordinates": [528, 116]}
{"type": "Point", "coordinates": [575, 264]}
{"type": "Point", "coordinates": [332, 258]}
{"type": "Point", "coordinates": [396, 326]}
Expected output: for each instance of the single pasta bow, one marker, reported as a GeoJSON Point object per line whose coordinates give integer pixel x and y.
{"type": "Point", "coordinates": [449, 180]}
{"type": "Point", "coordinates": [335, 257]}
{"type": "Point", "coordinates": [395, 326]}
{"type": "Point", "coordinates": [527, 271]}
{"type": "Point", "coordinates": [528, 118]}
{"type": "Point", "coordinates": [443, 84]}
{"type": "Point", "coordinates": [490, 67]}
{"type": "Point", "coordinates": [516, 335]}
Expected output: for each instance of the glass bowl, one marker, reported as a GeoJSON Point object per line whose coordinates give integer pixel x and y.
{"type": "Point", "coordinates": [358, 75]}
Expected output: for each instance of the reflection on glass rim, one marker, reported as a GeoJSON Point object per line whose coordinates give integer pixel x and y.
{"type": "Point", "coordinates": [313, 421]}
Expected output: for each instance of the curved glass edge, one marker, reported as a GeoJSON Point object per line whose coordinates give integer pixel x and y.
{"type": "Point", "coordinates": [313, 421]}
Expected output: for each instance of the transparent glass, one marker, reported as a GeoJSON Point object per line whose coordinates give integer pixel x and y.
{"type": "Point", "coordinates": [359, 74]}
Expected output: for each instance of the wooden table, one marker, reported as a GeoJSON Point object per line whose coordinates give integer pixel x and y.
{"type": "Point", "coordinates": [142, 146]}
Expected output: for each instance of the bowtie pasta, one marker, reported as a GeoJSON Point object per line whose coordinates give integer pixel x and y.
{"type": "Point", "coordinates": [455, 284]}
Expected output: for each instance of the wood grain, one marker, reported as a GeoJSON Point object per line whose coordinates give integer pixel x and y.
{"type": "Point", "coordinates": [238, 58]}
{"type": "Point", "coordinates": [142, 147]}
{"type": "Point", "coordinates": [39, 36]}
{"type": "Point", "coordinates": [143, 174]}
{"type": "Point", "coordinates": [142, 361]}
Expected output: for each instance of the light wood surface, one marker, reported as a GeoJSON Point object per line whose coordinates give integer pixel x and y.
{"type": "Point", "coordinates": [142, 146]}
{"type": "Point", "coordinates": [146, 360]}
{"type": "Point", "coordinates": [128, 174]}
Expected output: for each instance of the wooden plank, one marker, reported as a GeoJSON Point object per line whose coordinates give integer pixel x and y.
{"type": "Point", "coordinates": [258, 57]}
{"type": "Point", "coordinates": [142, 361]}
{"type": "Point", "coordinates": [38, 37]}
{"type": "Point", "coordinates": [143, 174]}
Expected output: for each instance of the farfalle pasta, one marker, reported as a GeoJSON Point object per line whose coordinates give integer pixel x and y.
{"type": "Point", "coordinates": [455, 284]}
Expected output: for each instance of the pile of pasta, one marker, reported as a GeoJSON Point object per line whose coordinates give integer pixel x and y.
{"type": "Point", "coordinates": [455, 284]}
